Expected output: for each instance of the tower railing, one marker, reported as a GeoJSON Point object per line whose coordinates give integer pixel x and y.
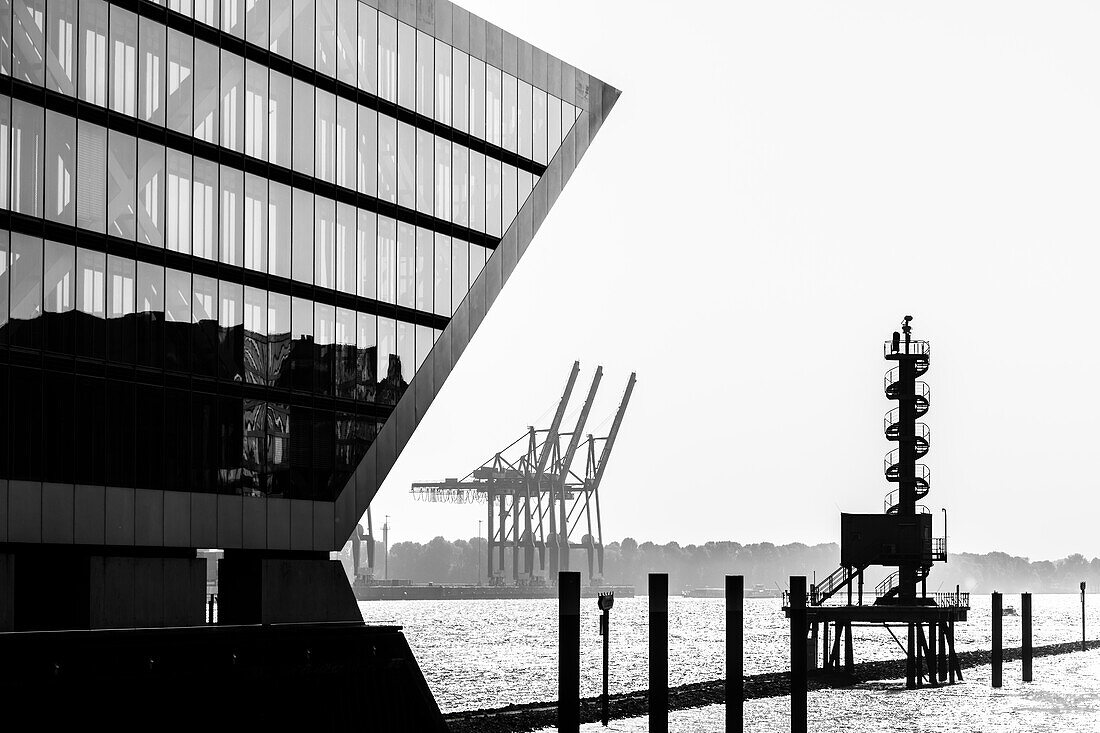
{"type": "Point", "coordinates": [917, 348]}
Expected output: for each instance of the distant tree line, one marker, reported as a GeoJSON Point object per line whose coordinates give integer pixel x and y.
{"type": "Point", "coordinates": [691, 566]}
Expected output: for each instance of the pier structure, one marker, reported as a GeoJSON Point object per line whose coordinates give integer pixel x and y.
{"type": "Point", "coordinates": [536, 503]}
{"type": "Point", "coordinates": [901, 538]}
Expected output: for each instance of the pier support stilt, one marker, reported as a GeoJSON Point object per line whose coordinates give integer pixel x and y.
{"type": "Point", "coordinates": [811, 652]}
{"type": "Point", "coordinates": [798, 654]}
{"type": "Point", "coordinates": [658, 652]}
{"type": "Point", "coordinates": [735, 653]}
{"type": "Point", "coordinates": [911, 660]}
{"type": "Point", "coordinates": [941, 628]}
{"type": "Point", "coordinates": [569, 652]}
{"type": "Point", "coordinates": [1025, 635]}
{"type": "Point", "coordinates": [849, 654]}
{"type": "Point", "coordinates": [933, 676]}
{"type": "Point", "coordinates": [997, 656]}
{"type": "Point", "coordinates": [825, 649]}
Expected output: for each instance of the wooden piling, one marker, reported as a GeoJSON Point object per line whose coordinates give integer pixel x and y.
{"type": "Point", "coordinates": [658, 652]}
{"type": "Point", "coordinates": [735, 653]}
{"type": "Point", "coordinates": [798, 654]}
{"type": "Point", "coordinates": [998, 657]}
{"type": "Point", "coordinates": [1025, 635]}
{"type": "Point", "coordinates": [911, 660]}
{"type": "Point", "coordinates": [569, 652]}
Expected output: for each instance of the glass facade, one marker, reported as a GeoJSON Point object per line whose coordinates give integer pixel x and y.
{"type": "Point", "coordinates": [233, 231]}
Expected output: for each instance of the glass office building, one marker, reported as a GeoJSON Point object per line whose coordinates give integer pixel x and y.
{"type": "Point", "coordinates": [242, 242]}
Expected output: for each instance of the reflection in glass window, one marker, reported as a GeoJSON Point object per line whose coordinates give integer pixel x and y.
{"type": "Point", "coordinates": [406, 165]}
{"type": "Point", "coordinates": [493, 105]}
{"type": "Point", "coordinates": [366, 48]}
{"type": "Point", "coordinates": [304, 139]}
{"type": "Point", "coordinates": [526, 183]}
{"type": "Point", "coordinates": [26, 280]}
{"type": "Point", "coordinates": [324, 243]}
{"type": "Point", "coordinates": [325, 136]}
{"type": "Point", "coordinates": [207, 80]}
{"type": "Point", "coordinates": [460, 272]}
{"type": "Point", "coordinates": [30, 41]}
{"type": "Point", "coordinates": [302, 241]}
{"type": "Point", "coordinates": [177, 316]}
{"type": "Point", "coordinates": [388, 370]}
{"type": "Point", "coordinates": [524, 141]}
{"type": "Point", "coordinates": [301, 331]}
{"type": "Point", "coordinates": [425, 74]}
{"type": "Point", "coordinates": [123, 85]}
{"type": "Point", "coordinates": [255, 335]}
{"type": "Point", "coordinates": [509, 113]}
{"type": "Point", "coordinates": [233, 17]}
{"type": "Point", "coordinates": [366, 151]}
{"type": "Point", "coordinates": [206, 11]}
{"type": "Point", "coordinates": [27, 153]}
{"type": "Point", "coordinates": [387, 57]}
{"type": "Point", "coordinates": [282, 25]}
{"type": "Point", "coordinates": [255, 111]}
{"type": "Point", "coordinates": [345, 143]}
{"type": "Point", "coordinates": [121, 185]}
{"type": "Point", "coordinates": [230, 331]}
{"type": "Point", "coordinates": [204, 320]}
{"type": "Point", "coordinates": [345, 370]}
{"type": "Point", "coordinates": [59, 295]}
{"type": "Point", "coordinates": [477, 191]}
{"type": "Point", "coordinates": [178, 208]}
{"type": "Point", "coordinates": [477, 98]}
{"type": "Point", "coordinates": [324, 337]}
{"type": "Point", "coordinates": [406, 351]}
{"type": "Point", "coordinates": [425, 265]}
{"type": "Point", "coordinates": [5, 37]}
{"type": "Point", "coordinates": [366, 344]}
{"type": "Point", "coordinates": [326, 37]}
{"type": "Point", "coordinates": [406, 274]}
{"type": "Point", "coordinates": [60, 167]}
{"type": "Point", "coordinates": [150, 304]}
{"type": "Point", "coordinates": [153, 43]}
{"type": "Point", "coordinates": [279, 229]}
{"type": "Point", "coordinates": [387, 260]}
{"type": "Point", "coordinates": [443, 179]}
{"type": "Point", "coordinates": [61, 46]}
{"type": "Point", "coordinates": [278, 329]}
{"type": "Point", "coordinates": [255, 223]}
{"type": "Point", "coordinates": [478, 257]}
{"type": "Point", "coordinates": [232, 216]}
{"type": "Point", "coordinates": [121, 287]}
{"type": "Point", "coordinates": [460, 185]}
{"type": "Point", "coordinates": [91, 294]}
{"type": "Point", "coordinates": [406, 66]}
{"type": "Point", "coordinates": [204, 209]}
{"type": "Point", "coordinates": [509, 192]}
{"type": "Point", "coordinates": [366, 255]}
{"type": "Point", "coordinates": [345, 248]}
{"type": "Point", "coordinates": [442, 298]}
{"type": "Point", "coordinates": [256, 22]}
{"type": "Point", "coordinates": [424, 341]}
{"type": "Point", "coordinates": [5, 149]}
{"type": "Point", "coordinates": [180, 81]}
{"type": "Point", "coordinates": [387, 158]}
{"type": "Point", "coordinates": [425, 164]}
{"type": "Point", "coordinates": [279, 120]}
{"type": "Point", "coordinates": [347, 17]}
{"type": "Point", "coordinates": [150, 211]}
{"type": "Point", "coordinates": [443, 102]}
{"type": "Point", "coordinates": [91, 170]}
{"type": "Point", "coordinates": [304, 39]}
{"type": "Point", "coordinates": [232, 101]}
{"type": "Point", "coordinates": [538, 125]}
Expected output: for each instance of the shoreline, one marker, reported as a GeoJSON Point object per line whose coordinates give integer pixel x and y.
{"type": "Point", "coordinates": [536, 716]}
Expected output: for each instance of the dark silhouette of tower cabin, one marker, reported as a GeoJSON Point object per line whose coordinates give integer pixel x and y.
{"type": "Point", "coordinates": [900, 537]}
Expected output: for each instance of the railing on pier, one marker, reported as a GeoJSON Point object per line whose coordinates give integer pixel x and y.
{"type": "Point", "coordinates": [921, 348]}
{"type": "Point", "coordinates": [951, 600]}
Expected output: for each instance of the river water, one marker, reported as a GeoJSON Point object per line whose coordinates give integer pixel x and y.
{"type": "Point", "coordinates": [484, 654]}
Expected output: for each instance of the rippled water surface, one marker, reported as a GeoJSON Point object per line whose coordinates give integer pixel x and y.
{"type": "Point", "coordinates": [480, 654]}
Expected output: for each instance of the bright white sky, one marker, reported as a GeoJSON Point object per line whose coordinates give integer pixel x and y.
{"type": "Point", "coordinates": [779, 183]}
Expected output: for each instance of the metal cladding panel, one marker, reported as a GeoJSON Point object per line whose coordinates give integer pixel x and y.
{"type": "Point", "coordinates": [424, 384]}
{"type": "Point", "coordinates": [539, 61]}
{"type": "Point", "coordinates": [493, 282]}
{"type": "Point", "coordinates": [580, 137]}
{"type": "Point", "coordinates": [323, 523]}
{"type": "Point", "coordinates": [230, 523]}
{"type": "Point", "coordinates": [57, 513]}
{"type": "Point", "coordinates": [425, 16]}
{"type": "Point", "coordinates": [89, 521]}
{"type": "Point", "coordinates": [525, 59]}
{"type": "Point", "coordinates": [278, 523]}
{"type": "Point", "coordinates": [120, 516]}
{"type": "Point", "coordinates": [510, 46]}
{"type": "Point", "coordinates": [344, 516]}
{"type": "Point", "coordinates": [568, 87]}
{"type": "Point", "coordinates": [301, 524]}
{"type": "Point", "coordinates": [494, 45]}
{"type": "Point", "coordinates": [509, 253]}
{"type": "Point", "coordinates": [477, 37]}
{"type": "Point", "coordinates": [443, 21]}
{"type": "Point", "coordinates": [476, 298]}
{"type": "Point", "coordinates": [177, 519]}
{"type": "Point", "coordinates": [525, 229]}
{"type": "Point", "coordinates": [581, 93]}
{"type": "Point", "coordinates": [460, 28]}
{"type": "Point", "coordinates": [24, 511]}
{"type": "Point", "coordinates": [567, 157]}
{"type": "Point", "coordinates": [204, 520]}
{"type": "Point", "coordinates": [385, 450]}
{"type": "Point", "coordinates": [253, 522]}
{"type": "Point", "coordinates": [149, 517]}
{"type": "Point", "coordinates": [406, 11]}
{"type": "Point", "coordinates": [404, 418]}
{"type": "Point", "coordinates": [365, 484]}
{"type": "Point", "coordinates": [553, 75]}
{"type": "Point", "coordinates": [441, 355]}
{"type": "Point", "coordinates": [389, 7]}
{"type": "Point", "coordinates": [537, 205]}
{"type": "Point", "coordinates": [3, 514]}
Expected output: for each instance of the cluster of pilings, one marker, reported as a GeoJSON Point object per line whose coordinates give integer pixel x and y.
{"type": "Point", "coordinates": [939, 667]}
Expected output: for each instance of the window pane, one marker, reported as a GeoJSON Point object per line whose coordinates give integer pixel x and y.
{"type": "Point", "coordinates": [91, 183]}
{"type": "Point", "coordinates": [347, 18]}
{"type": "Point", "coordinates": [304, 140]}
{"type": "Point", "coordinates": [442, 275]}
{"type": "Point", "coordinates": [26, 291]}
{"type": "Point", "coordinates": [367, 48]}
{"type": "Point", "coordinates": [425, 74]}
{"type": "Point", "coordinates": [150, 322]}
{"type": "Point", "coordinates": [301, 331]}
{"type": "Point", "coordinates": [207, 80]}
{"type": "Point", "coordinates": [124, 34]}
{"type": "Point", "coordinates": [324, 337]}
{"type": "Point", "coordinates": [324, 243]}
{"type": "Point", "coordinates": [538, 125]}
{"type": "Point", "coordinates": [230, 331]}
{"type": "Point", "coordinates": [256, 111]}
{"type": "Point", "coordinates": [232, 216]}
{"type": "Point", "coordinates": [443, 103]}
{"type": "Point", "coordinates": [204, 319]}
{"type": "Point", "coordinates": [122, 186]}
{"type": "Point", "coordinates": [27, 151]}
{"type": "Point", "coordinates": [387, 57]}
{"type": "Point", "coordinates": [406, 66]}
{"type": "Point", "coordinates": [325, 137]}
{"type": "Point", "coordinates": [5, 150]}
{"type": "Point", "coordinates": [232, 102]}
{"type": "Point", "coordinates": [282, 24]}
{"type": "Point", "coordinates": [510, 113]}
{"type": "Point", "coordinates": [345, 143]}
{"type": "Point", "coordinates": [508, 189]}
{"type": "Point", "coordinates": [345, 248]}
{"type": "Point", "coordinates": [279, 229]}
{"type": "Point", "coordinates": [524, 141]}
{"type": "Point", "coordinates": [304, 38]}
{"type": "Point", "coordinates": [366, 249]}
{"type": "Point", "coordinates": [207, 11]}
{"type": "Point", "coordinates": [477, 98]}
{"type": "Point", "coordinates": [326, 37]}
{"type": "Point", "coordinates": [278, 329]}
{"type": "Point", "coordinates": [460, 66]}
{"type": "Point", "coordinates": [389, 368]}
{"type": "Point", "coordinates": [366, 344]}
{"type": "Point", "coordinates": [30, 41]}
{"type": "Point", "coordinates": [443, 178]}
{"type": "Point", "coordinates": [366, 151]}
{"type": "Point", "coordinates": [406, 263]}
{"type": "Point", "coordinates": [180, 81]}
{"type": "Point", "coordinates": [425, 264]}
{"type": "Point", "coordinates": [387, 259]}
{"type": "Point", "coordinates": [345, 353]}
{"type": "Point", "coordinates": [60, 168]}
{"type": "Point", "coordinates": [233, 17]}
{"type": "Point", "coordinates": [256, 22]}
{"type": "Point", "coordinates": [121, 282]}
{"type": "Point", "coordinates": [153, 45]}
{"type": "Point", "coordinates": [406, 354]}
{"type": "Point", "coordinates": [406, 165]}
{"type": "Point", "coordinates": [477, 191]}
{"type": "Point", "coordinates": [387, 158]}
{"type": "Point", "coordinates": [279, 120]}
{"type": "Point", "coordinates": [177, 316]}
{"type": "Point", "coordinates": [59, 295]}
{"type": "Point", "coordinates": [178, 208]}
{"type": "Point", "coordinates": [553, 121]}
{"type": "Point", "coordinates": [460, 272]}
{"type": "Point", "coordinates": [424, 343]}
{"type": "Point", "coordinates": [255, 223]}
{"type": "Point", "coordinates": [255, 336]}
{"type": "Point", "coordinates": [460, 185]}
{"type": "Point", "coordinates": [91, 293]}
{"type": "Point", "coordinates": [150, 194]}
{"type": "Point", "coordinates": [492, 104]}
{"type": "Point", "coordinates": [5, 37]}
{"type": "Point", "coordinates": [61, 46]}
{"type": "Point", "coordinates": [204, 209]}
{"type": "Point", "coordinates": [425, 171]}
{"type": "Point", "coordinates": [302, 241]}
{"type": "Point", "coordinates": [478, 256]}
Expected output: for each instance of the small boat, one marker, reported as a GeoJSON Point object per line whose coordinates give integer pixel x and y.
{"type": "Point", "coordinates": [1009, 611]}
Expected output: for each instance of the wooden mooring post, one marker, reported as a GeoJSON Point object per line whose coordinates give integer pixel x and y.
{"type": "Point", "coordinates": [1025, 635]}
{"type": "Point", "coordinates": [998, 658]}
{"type": "Point", "coordinates": [569, 652]}
{"type": "Point", "coordinates": [735, 653]}
{"type": "Point", "coordinates": [658, 652]}
{"type": "Point", "coordinates": [798, 653]}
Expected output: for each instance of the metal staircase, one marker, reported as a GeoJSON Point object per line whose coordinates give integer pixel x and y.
{"type": "Point", "coordinates": [836, 581]}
